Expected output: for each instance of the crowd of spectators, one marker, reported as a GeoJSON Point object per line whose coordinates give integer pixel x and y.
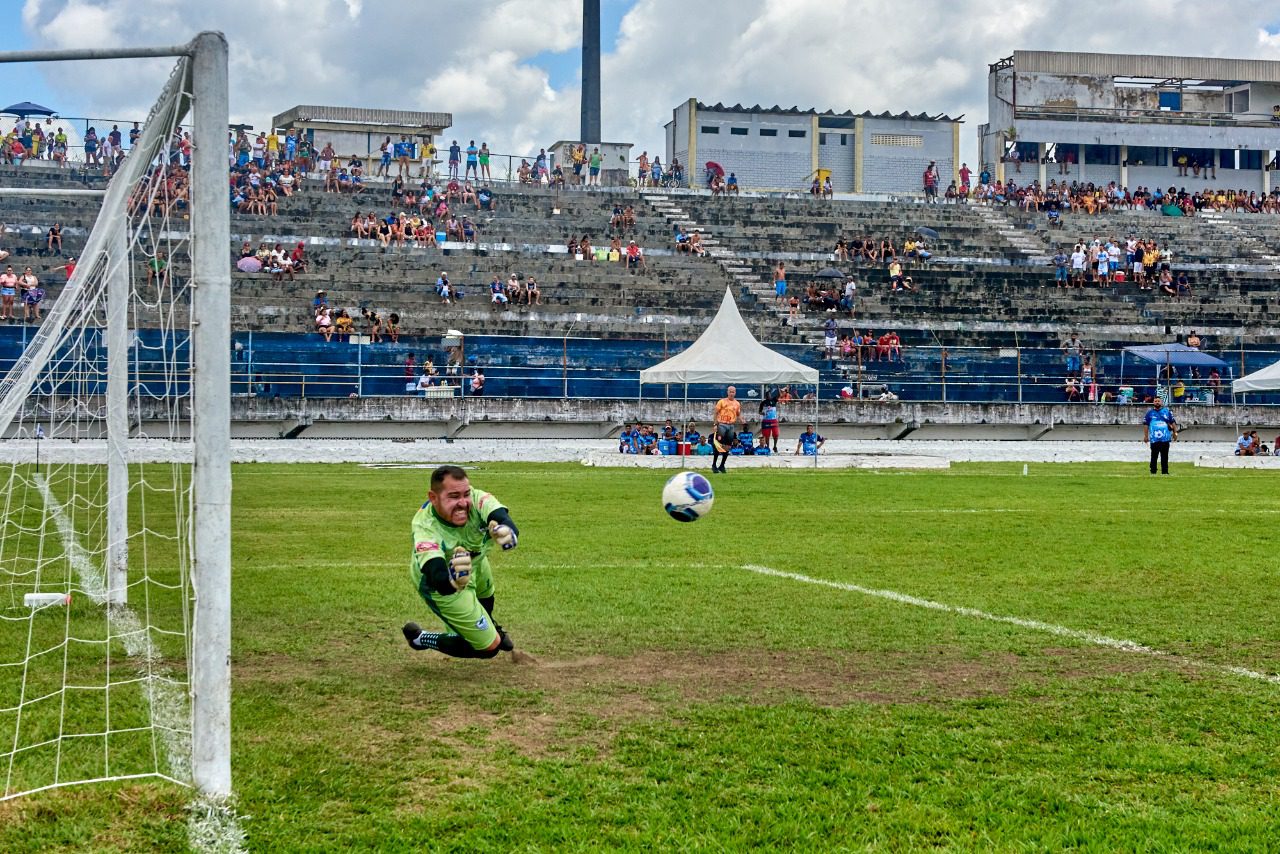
{"type": "Point", "coordinates": [1107, 262]}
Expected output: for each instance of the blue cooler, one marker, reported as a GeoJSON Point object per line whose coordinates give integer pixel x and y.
{"type": "Point", "coordinates": [667, 447]}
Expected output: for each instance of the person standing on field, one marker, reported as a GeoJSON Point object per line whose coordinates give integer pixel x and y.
{"type": "Point", "coordinates": [1158, 430]}
{"type": "Point", "coordinates": [727, 415]}
{"type": "Point", "coordinates": [453, 533]}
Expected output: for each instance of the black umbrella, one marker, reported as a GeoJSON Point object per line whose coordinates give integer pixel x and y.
{"type": "Point", "coordinates": [829, 273]}
{"type": "Point", "coordinates": [925, 231]}
{"type": "Point", "coordinates": [26, 108]}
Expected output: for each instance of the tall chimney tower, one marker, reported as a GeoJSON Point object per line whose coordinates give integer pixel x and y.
{"type": "Point", "coordinates": [590, 71]}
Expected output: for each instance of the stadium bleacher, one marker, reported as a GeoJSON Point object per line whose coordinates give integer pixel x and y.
{"type": "Point", "coordinates": [988, 288]}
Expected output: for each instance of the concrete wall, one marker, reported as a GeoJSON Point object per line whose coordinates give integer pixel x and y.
{"type": "Point", "coordinates": [900, 168]}
{"type": "Point", "coordinates": [780, 161]}
{"type": "Point", "coordinates": [838, 158]}
{"type": "Point", "coordinates": [501, 417]}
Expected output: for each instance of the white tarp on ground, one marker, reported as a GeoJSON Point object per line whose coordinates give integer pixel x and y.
{"type": "Point", "coordinates": [727, 352]}
{"type": "Point", "coordinates": [1267, 379]}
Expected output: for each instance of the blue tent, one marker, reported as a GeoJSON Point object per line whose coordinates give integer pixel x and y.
{"type": "Point", "coordinates": [1172, 357]}
{"type": "Point", "coordinates": [1175, 355]}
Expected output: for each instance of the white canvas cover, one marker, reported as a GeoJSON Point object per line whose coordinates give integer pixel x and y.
{"type": "Point", "coordinates": [727, 352]}
{"type": "Point", "coordinates": [1266, 379]}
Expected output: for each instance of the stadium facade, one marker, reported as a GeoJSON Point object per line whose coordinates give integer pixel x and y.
{"type": "Point", "coordinates": [357, 130]}
{"type": "Point", "coordinates": [1150, 121]}
{"type": "Point", "coordinates": [785, 149]}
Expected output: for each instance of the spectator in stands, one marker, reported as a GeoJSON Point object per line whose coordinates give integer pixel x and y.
{"type": "Point", "coordinates": [584, 248]}
{"type": "Point", "coordinates": [635, 257]}
{"type": "Point", "coordinates": [1073, 349]}
{"type": "Point", "coordinates": [476, 386]}
{"type": "Point", "coordinates": [842, 250]}
{"type": "Point", "coordinates": [895, 346]}
{"type": "Point", "coordinates": [731, 184]}
{"type": "Point", "coordinates": [53, 244]}
{"type": "Point", "coordinates": [717, 185]}
{"type": "Point", "coordinates": [895, 275]}
{"type": "Point", "coordinates": [532, 292]}
{"type": "Point", "coordinates": [695, 245]}
{"type": "Point", "coordinates": [931, 182]}
{"type": "Point", "coordinates": [373, 323]}
{"type": "Point", "coordinates": [324, 322]}
{"type": "Point", "coordinates": [444, 289]}
{"type": "Point", "coordinates": [32, 295]}
{"type": "Point", "coordinates": [828, 192]}
{"type": "Point", "coordinates": [498, 298]}
{"type": "Point", "coordinates": [343, 325]}
{"type": "Point", "coordinates": [1071, 390]}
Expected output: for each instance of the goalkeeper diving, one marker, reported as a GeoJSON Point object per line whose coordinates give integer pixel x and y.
{"type": "Point", "coordinates": [453, 533]}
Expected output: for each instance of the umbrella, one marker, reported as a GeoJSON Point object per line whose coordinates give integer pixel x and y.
{"type": "Point", "coordinates": [26, 108]}
{"type": "Point", "coordinates": [925, 231]}
{"type": "Point", "coordinates": [249, 265]}
{"type": "Point", "coordinates": [714, 168]}
{"type": "Point", "coordinates": [829, 273]}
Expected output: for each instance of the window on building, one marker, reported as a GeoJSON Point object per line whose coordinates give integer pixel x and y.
{"type": "Point", "coordinates": [1171, 101]}
{"type": "Point", "coordinates": [738, 131]}
{"type": "Point", "coordinates": [1063, 152]}
{"type": "Point", "coordinates": [822, 139]}
{"type": "Point", "coordinates": [844, 139]}
{"type": "Point", "coordinates": [1148, 155]}
{"type": "Point", "coordinates": [1102, 155]}
{"type": "Point", "coordinates": [1238, 102]}
{"type": "Point", "coordinates": [1250, 159]}
{"type": "Point", "coordinates": [768, 131]}
{"type": "Point", "coordinates": [710, 128]}
{"type": "Point", "coordinates": [1226, 158]}
{"type": "Point", "coordinates": [904, 139]}
{"type": "Point", "coordinates": [797, 134]}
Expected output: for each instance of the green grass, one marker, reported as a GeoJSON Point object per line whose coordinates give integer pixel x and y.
{"type": "Point", "coordinates": [683, 702]}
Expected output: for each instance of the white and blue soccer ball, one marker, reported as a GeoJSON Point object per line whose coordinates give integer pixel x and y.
{"type": "Point", "coordinates": [688, 497]}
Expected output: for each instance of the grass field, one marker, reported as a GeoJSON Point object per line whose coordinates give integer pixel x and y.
{"type": "Point", "coordinates": [684, 701]}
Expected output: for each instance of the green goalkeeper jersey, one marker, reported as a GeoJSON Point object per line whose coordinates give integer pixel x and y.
{"type": "Point", "coordinates": [434, 538]}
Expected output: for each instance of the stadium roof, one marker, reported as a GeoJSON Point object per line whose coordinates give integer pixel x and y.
{"type": "Point", "coordinates": [1144, 66]}
{"type": "Point", "coordinates": [727, 352]}
{"type": "Point", "coordinates": [796, 111]}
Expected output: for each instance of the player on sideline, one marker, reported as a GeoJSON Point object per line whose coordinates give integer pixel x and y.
{"type": "Point", "coordinates": [1159, 428]}
{"type": "Point", "coordinates": [728, 414]}
{"type": "Point", "coordinates": [452, 534]}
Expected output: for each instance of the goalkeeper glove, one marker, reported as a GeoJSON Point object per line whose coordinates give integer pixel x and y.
{"type": "Point", "coordinates": [460, 568]}
{"type": "Point", "coordinates": [502, 535]}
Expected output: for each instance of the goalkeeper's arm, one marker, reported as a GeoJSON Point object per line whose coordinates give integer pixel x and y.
{"type": "Point", "coordinates": [503, 531]}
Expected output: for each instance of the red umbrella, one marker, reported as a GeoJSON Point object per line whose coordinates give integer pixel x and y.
{"type": "Point", "coordinates": [714, 168]}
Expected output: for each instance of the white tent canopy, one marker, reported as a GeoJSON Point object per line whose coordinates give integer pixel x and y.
{"type": "Point", "coordinates": [1267, 379]}
{"type": "Point", "coordinates": [727, 352]}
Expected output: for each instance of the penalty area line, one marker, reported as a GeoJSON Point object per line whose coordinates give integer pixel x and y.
{"type": "Point", "coordinates": [1093, 638]}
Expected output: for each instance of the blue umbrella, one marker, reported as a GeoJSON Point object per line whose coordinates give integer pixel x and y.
{"type": "Point", "coordinates": [26, 108]}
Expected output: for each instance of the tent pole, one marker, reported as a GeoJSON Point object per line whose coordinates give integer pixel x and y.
{"type": "Point", "coordinates": [685, 432]}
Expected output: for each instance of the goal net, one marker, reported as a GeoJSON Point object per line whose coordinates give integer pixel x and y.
{"type": "Point", "coordinates": [102, 417]}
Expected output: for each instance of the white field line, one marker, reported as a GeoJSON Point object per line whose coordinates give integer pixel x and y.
{"type": "Point", "coordinates": [1035, 625]}
{"type": "Point", "coordinates": [209, 827]}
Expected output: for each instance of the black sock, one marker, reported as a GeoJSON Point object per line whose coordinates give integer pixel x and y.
{"type": "Point", "coordinates": [452, 645]}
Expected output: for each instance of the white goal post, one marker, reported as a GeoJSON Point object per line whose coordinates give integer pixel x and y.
{"type": "Point", "coordinates": [56, 378]}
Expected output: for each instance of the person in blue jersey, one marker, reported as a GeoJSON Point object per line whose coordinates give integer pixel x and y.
{"type": "Point", "coordinates": [809, 442]}
{"type": "Point", "coordinates": [1159, 428]}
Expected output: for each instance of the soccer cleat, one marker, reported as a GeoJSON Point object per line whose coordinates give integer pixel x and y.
{"type": "Point", "coordinates": [412, 631]}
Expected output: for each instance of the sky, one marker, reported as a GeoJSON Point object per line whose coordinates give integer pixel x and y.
{"type": "Point", "coordinates": [508, 70]}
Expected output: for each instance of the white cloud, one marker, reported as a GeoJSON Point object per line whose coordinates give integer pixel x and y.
{"type": "Point", "coordinates": [479, 60]}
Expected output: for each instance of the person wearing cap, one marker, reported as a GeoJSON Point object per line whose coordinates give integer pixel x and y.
{"type": "Point", "coordinates": [321, 299]}
{"type": "Point", "coordinates": [1159, 428]}
{"type": "Point", "coordinates": [635, 256]}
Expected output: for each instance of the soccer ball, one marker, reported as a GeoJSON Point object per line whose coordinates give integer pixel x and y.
{"type": "Point", "coordinates": [687, 497]}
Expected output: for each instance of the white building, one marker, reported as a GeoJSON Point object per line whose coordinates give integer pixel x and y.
{"type": "Point", "coordinates": [785, 149]}
{"type": "Point", "coordinates": [1136, 120]}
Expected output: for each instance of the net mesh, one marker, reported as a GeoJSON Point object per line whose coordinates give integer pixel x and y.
{"type": "Point", "coordinates": [95, 539]}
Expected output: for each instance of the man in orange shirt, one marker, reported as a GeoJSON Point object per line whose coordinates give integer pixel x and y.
{"type": "Point", "coordinates": [728, 414]}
